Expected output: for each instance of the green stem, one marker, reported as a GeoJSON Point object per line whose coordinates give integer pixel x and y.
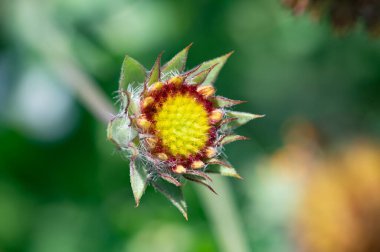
{"type": "Point", "coordinates": [223, 215]}
{"type": "Point", "coordinates": [86, 90]}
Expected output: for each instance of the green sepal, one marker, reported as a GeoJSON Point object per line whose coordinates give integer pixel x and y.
{"type": "Point", "coordinates": [200, 77]}
{"type": "Point", "coordinates": [223, 102]}
{"type": "Point", "coordinates": [132, 73]}
{"type": "Point", "coordinates": [199, 180]}
{"type": "Point", "coordinates": [223, 168]}
{"type": "Point", "coordinates": [217, 65]}
{"type": "Point", "coordinates": [199, 174]}
{"type": "Point", "coordinates": [177, 63]}
{"type": "Point", "coordinates": [138, 176]}
{"type": "Point", "coordinates": [120, 133]}
{"type": "Point", "coordinates": [241, 118]}
{"type": "Point", "coordinates": [128, 104]}
{"type": "Point", "coordinates": [216, 161]}
{"type": "Point", "coordinates": [231, 138]}
{"type": "Point", "coordinates": [169, 178]}
{"type": "Point", "coordinates": [155, 73]}
{"type": "Point", "coordinates": [173, 194]}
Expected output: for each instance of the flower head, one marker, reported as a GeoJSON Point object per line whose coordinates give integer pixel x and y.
{"type": "Point", "coordinates": [344, 189]}
{"type": "Point", "coordinates": [172, 126]}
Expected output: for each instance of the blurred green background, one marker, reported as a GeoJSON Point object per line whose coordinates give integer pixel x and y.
{"type": "Point", "coordinates": [63, 188]}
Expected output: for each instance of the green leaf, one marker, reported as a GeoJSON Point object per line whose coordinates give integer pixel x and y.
{"type": "Point", "coordinates": [231, 138]}
{"type": "Point", "coordinates": [177, 63]}
{"type": "Point", "coordinates": [155, 73]}
{"type": "Point", "coordinates": [223, 102]}
{"type": "Point", "coordinates": [223, 168]}
{"type": "Point", "coordinates": [241, 118]}
{"type": "Point", "coordinates": [217, 65]}
{"type": "Point", "coordinates": [120, 132]}
{"type": "Point", "coordinates": [173, 193]}
{"type": "Point", "coordinates": [132, 73]}
{"type": "Point", "coordinates": [138, 177]}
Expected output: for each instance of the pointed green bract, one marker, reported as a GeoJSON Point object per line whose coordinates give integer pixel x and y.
{"type": "Point", "coordinates": [170, 179]}
{"type": "Point", "coordinates": [132, 73]}
{"type": "Point", "coordinates": [241, 118]}
{"type": "Point", "coordinates": [223, 102]}
{"type": "Point", "coordinates": [200, 77]}
{"type": "Point", "coordinates": [198, 174]}
{"type": "Point", "coordinates": [218, 63]}
{"type": "Point", "coordinates": [120, 132]}
{"type": "Point", "coordinates": [216, 161]}
{"type": "Point", "coordinates": [155, 73]}
{"type": "Point", "coordinates": [223, 170]}
{"type": "Point", "coordinates": [128, 104]}
{"type": "Point", "coordinates": [231, 138]}
{"type": "Point", "coordinates": [173, 193]}
{"type": "Point", "coordinates": [138, 177]}
{"type": "Point", "coordinates": [177, 63]}
{"type": "Point", "coordinates": [200, 181]}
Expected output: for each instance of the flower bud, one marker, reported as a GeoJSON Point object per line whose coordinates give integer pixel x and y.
{"type": "Point", "coordinates": [210, 152]}
{"type": "Point", "coordinates": [176, 80]}
{"type": "Point", "coordinates": [162, 156]}
{"type": "Point", "coordinates": [206, 91]}
{"type": "Point", "coordinates": [179, 169]}
{"type": "Point", "coordinates": [151, 142]}
{"type": "Point", "coordinates": [143, 123]}
{"type": "Point", "coordinates": [147, 101]}
{"type": "Point", "coordinates": [156, 86]}
{"type": "Point", "coordinates": [197, 164]}
{"type": "Point", "coordinates": [216, 116]}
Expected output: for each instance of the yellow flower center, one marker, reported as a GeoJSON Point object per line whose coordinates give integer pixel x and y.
{"type": "Point", "coordinates": [182, 125]}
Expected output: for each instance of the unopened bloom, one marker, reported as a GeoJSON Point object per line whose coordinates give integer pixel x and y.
{"type": "Point", "coordinates": [172, 126]}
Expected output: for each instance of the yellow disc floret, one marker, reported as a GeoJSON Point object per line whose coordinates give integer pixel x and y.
{"type": "Point", "coordinates": [182, 124]}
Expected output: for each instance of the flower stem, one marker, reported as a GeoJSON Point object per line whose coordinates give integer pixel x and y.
{"type": "Point", "coordinates": [223, 215]}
